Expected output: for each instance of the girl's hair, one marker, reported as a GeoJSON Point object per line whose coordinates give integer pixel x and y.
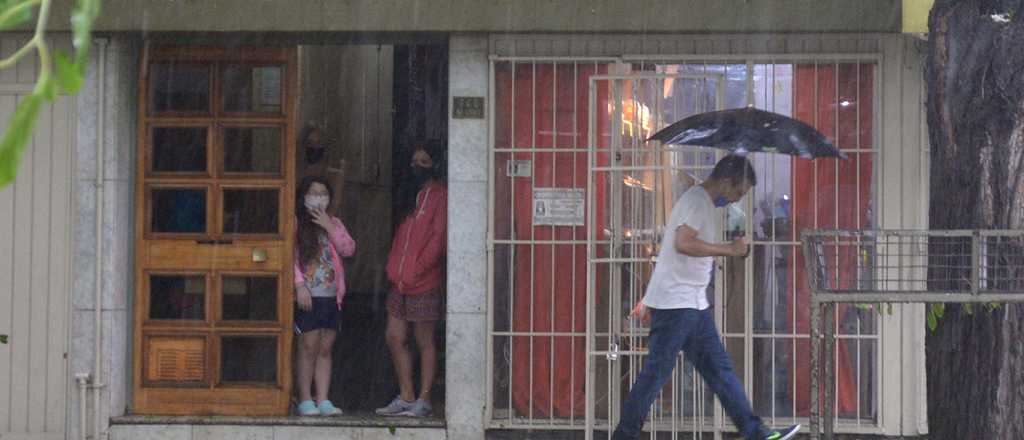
{"type": "Point", "coordinates": [407, 190]}
{"type": "Point", "coordinates": [307, 239]}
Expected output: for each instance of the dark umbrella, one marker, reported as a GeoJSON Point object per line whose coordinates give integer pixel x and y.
{"type": "Point", "coordinates": [746, 130]}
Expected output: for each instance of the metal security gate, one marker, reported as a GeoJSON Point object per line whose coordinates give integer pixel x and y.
{"type": "Point", "coordinates": [567, 153]}
{"type": "Point", "coordinates": [632, 186]}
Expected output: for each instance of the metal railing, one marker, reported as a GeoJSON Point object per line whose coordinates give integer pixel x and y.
{"type": "Point", "coordinates": [900, 266]}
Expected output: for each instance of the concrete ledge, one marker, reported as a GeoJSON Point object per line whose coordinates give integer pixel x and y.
{"type": "Point", "coordinates": [236, 432]}
{"type": "Point", "coordinates": [360, 420]}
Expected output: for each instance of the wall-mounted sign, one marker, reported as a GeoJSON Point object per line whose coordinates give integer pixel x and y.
{"type": "Point", "coordinates": [558, 206]}
{"type": "Point", "coordinates": [468, 107]}
{"type": "Point", "coordinates": [520, 168]}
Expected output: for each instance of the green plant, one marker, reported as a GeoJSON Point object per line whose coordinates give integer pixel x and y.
{"type": "Point", "coordinates": [3, 339]}
{"type": "Point", "coordinates": [57, 71]}
{"type": "Point", "coordinates": [935, 312]}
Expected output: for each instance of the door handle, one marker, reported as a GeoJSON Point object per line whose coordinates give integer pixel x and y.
{"type": "Point", "coordinates": [211, 242]}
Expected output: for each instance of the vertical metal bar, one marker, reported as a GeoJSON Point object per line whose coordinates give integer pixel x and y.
{"type": "Point", "coordinates": [551, 312]}
{"type": "Point", "coordinates": [572, 298]}
{"type": "Point", "coordinates": [830, 383]}
{"type": "Point", "coordinates": [857, 156]}
{"type": "Point", "coordinates": [719, 418]}
{"type": "Point", "coordinates": [614, 295]}
{"type": "Point", "coordinates": [975, 261]}
{"type": "Point", "coordinates": [491, 369]}
{"type": "Point", "coordinates": [769, 91]}
{"type": "Point", "coordinates": [533, 242]}
{"type": "Point", "coordinates": [836, 221]}
{"type": "Point", "coordinates": [815, 163]}
{"type": "Point", "coordinates": [748, 270]}
{"type": "Point", "coordinates": [590, 227]}
{"type": "Point", "coordinates": [815, 333]}
{"type": "Point", "coordinates": [512, 253]}
{"type": "Point", "coordinates": [793, 292]}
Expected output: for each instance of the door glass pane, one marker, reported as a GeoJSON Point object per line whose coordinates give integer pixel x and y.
{"type": "Point", "coordinates": [250, 211]}
{"type": "Point", "coordinates": [250, 89]}
{"type": "Point", "coordinates": [249, 298]}
{"type": "Point", "coordinates": [252, 150]}
{"type": "Point", "coordinates": [248, 359]}
{"type": "Point", "coordinates": [178, 210]}
{"type": "Point", "coordinates": [179, 149]}
{"type": "Point", "coordinates": [177, 297]}
{"type": "Point", "coordinates": [179, 88]}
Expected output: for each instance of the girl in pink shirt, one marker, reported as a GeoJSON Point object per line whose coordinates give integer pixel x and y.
{"type": "Point", "coordinates": [320, 243]}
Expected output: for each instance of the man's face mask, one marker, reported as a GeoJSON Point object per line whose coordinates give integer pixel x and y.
{"type": "Point", "coordinates": [314, 202]}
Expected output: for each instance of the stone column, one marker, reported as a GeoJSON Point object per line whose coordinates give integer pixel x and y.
{"type": "Point", "coordinates": [115, 103]}
{"type": "Point", "coordinates": [466, 338]}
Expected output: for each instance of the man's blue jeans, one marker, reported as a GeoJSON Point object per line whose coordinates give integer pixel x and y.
{"type": "Point", "coordinates": [692, 331]}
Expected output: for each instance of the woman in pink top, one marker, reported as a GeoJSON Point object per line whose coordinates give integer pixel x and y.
{"type": "Point", "coordinates": [320, 243]}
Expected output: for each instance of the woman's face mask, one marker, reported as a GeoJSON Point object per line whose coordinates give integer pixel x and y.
{"type": "Point", "coordinates": [315, 153]}
{"type": "Point", "coordinates": [314, 202]}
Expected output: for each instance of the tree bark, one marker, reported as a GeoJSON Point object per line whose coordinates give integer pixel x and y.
{"type": "Point", "coordinates": [975, 79]}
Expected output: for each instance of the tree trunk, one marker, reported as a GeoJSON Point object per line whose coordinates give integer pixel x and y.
{"type": "Point", "coordinates": [975, 79]}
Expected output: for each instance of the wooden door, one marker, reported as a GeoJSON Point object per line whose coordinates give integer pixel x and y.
{"type": "Point", "coordinates": [214, 219]}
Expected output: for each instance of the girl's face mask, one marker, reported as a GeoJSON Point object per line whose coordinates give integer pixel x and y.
{"type": "Point", "coordinates": [314, 202]}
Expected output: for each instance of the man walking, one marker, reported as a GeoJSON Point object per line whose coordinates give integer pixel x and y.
{"type": "Point", "coordinates": [677, 306]}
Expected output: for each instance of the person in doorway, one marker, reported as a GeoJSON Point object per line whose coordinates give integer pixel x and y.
{"type": "Point", "coordinates": [677, 307]}
{"type": "Point", "coordinates": [318, 162]}
{"type": "Point", "coordinates": [416, 270]}
{"type": "Point", "coordinates": [321, 242]}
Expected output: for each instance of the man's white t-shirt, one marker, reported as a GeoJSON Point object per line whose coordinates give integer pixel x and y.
{"type": "Point", "coordinates": [680, 281]}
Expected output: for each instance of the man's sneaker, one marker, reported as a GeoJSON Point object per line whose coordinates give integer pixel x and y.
{"type": "Point", "coordinates": [327, 408]}
{"type": "Point", "coordinates": [394, 408]}
{"type": "Point", "coordinates": [783, 434]}
{"type": "Point", "coordinates": [307, 408]}
{"type": "Point", "coordinates": [419, 408]}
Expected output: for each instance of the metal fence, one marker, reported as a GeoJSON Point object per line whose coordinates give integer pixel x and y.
{"type": "Point", "coordinates": [900, 266]}
{"type": "Point", "coordinates": [560, 360]}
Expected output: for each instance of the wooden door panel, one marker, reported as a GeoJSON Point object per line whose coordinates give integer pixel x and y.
{"type": "Point", "coordinates": [239, 255]}
{"type": "Point", "coordinates": [214, 191]}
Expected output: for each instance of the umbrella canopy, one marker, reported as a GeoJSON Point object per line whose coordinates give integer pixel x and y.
{"type": "Point", "coordinates": [749, 130]}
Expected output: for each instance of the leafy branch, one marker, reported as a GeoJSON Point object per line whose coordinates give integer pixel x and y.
{"type": "Point", "coordinates": [59, 71]}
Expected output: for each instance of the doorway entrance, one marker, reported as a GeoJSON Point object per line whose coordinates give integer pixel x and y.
{"type": "Point", "coordinates": [225, 134]}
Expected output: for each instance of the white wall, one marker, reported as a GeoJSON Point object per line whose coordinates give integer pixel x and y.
{"type": "Point", "coordinates": [35, 278]}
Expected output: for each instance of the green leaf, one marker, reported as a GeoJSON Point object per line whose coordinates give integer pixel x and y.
{"type": "Point", "coordinates": [9, 20]}
{"type": "Point", "coordinates": [16, 138]}
{"type": "Point", "coordinates": [392, 429]}
{"type": "Point", "coordinates": [939, 310]}
{"type": "Point", "coordinates": [69, 76]}
{"type": "Point", "coordinates": [3, 339]}
{"type": "Point", "coordinates": [933, 322]}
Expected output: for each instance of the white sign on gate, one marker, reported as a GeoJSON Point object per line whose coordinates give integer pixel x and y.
{"type": "Point", "coordinates": [558, 206]}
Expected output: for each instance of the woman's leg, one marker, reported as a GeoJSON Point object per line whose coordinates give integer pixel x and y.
{"type": "Point", "coordinates": [305, 361]}
{"type": "Point", "coordinates": [424, 333]}
{"type": "Point", "coordinates": [322, 370]}
{"type": "Point", "coordinates": [400, 355]}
